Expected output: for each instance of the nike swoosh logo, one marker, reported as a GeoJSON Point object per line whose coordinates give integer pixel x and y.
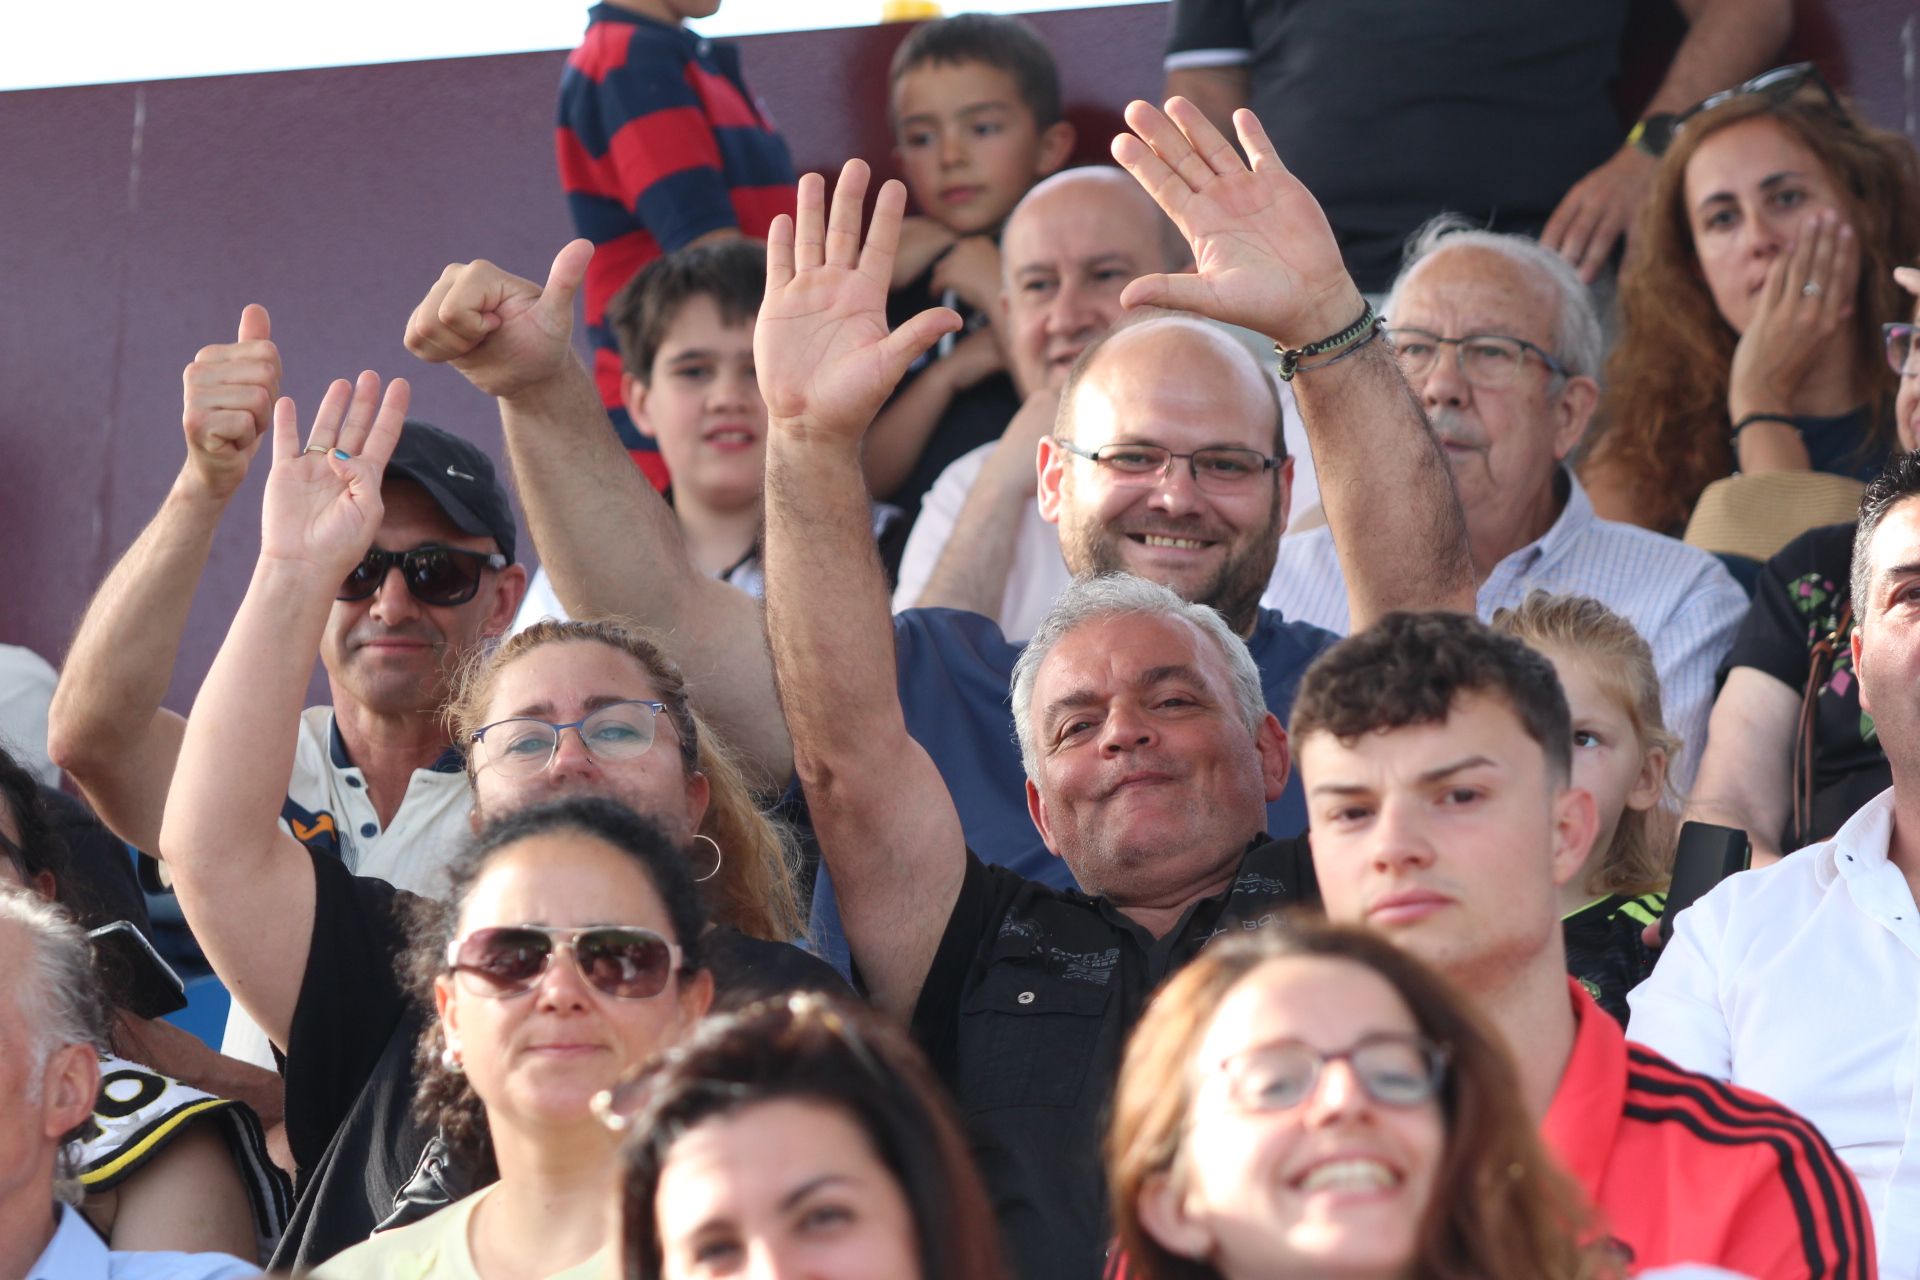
{"type": "Point", "coordinates": [458, 475]}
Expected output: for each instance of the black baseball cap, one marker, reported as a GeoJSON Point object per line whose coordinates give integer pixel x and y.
{"type": "Point", "coordinates": [459, 478]}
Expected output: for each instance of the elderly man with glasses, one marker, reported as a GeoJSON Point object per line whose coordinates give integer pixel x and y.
{"type": "Point", "coordinates": [1499, 340]}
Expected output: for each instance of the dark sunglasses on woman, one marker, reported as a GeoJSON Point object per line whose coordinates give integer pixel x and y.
{"type": "Point", "coordinates": [623, 961]}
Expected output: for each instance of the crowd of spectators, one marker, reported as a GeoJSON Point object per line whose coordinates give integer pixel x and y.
{"type": "Point", "coordinates": [1193, 719]}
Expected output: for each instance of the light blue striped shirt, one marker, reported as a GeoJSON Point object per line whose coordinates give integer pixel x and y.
{"type": "Point", "coordinates": [1682, 600]}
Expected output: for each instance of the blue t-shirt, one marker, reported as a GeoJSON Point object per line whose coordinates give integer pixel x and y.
{"type": "Point", "coordinates": [956, 678]}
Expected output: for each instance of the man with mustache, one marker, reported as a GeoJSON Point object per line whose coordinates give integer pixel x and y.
{"type": "Point", "coordinates": [376, 781]}
{"type": "Point", "coordinates": [1500, 341]}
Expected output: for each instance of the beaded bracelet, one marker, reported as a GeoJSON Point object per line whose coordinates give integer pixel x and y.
{"type": "Point", "coordinates": [1353, 337]}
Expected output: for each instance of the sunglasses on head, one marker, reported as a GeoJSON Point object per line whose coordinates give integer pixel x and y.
{"type": "Point", "coordinates": [623, 961]}
{"type": "Point", "coordinates": [434, 575]}
{"type": "Point", "coordinates": [1777, 85]}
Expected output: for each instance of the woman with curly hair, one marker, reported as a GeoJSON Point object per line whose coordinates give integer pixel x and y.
{"type": "Point", "coordinates": [1313, 1101]}
{"type": "Point", "coordinates": [1752, 299]}
{"type": "Point", "coordinates": [567, 955]}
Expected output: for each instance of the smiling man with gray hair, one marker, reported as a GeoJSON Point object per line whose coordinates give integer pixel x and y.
{"type": "Point", "coordinates": [1500, 342]}
{"type": "Point", "coordinates": [52, 1021]}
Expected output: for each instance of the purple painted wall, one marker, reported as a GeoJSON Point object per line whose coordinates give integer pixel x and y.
{"type": "Point", "coordinates": [137, 220]}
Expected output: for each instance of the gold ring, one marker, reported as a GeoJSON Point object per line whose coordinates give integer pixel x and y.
{"type": "Point", "coordinates": [316, 448]}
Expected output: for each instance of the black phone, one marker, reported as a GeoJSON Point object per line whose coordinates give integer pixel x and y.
{"type": "Point", "coordinates": [135, 976]}
{"type": "Point", "coordinates": [1706, 855]}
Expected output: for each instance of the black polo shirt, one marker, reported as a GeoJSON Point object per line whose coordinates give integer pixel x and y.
{"type": "Point", "coordinates": [1025, 1011]}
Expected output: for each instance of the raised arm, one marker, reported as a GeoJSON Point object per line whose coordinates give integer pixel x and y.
{"type": "Point", "coordinates": [107, 727]}
{"type": "Point", "coordinates": [886, 824]}
{"type": "Point", "coordinates": [610, 543]}
{"type": "Point", "coordinates": [245, 886]}
{"type": "Point", "coordinates": [1266, 260]}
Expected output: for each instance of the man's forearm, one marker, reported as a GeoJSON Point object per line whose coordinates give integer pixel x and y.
{"type": "Point", "coordinates": [1385, 487]}
{"type": "Point", "coordinates": [107, 727]}
{"type": "Point", "coordinates": [973, 567]}
{"type": "Point", "coordinates": [1726, 42]}
{"type": "Point", "coordinates": [613, 548]}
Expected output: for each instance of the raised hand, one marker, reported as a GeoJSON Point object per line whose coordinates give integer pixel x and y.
{"type": "Point", "coordinates": [1265, 257]}
{"type": "Point", "coordinates": [505, 334]}
{"type": "Point", "coordinates": [227, 403]}
{"type": "Point", "coordinates": [825, 359]}
{"type": "Point", "coordinates": [322, 504]}
{"type": "Point", "coordinates": [1806, 300]}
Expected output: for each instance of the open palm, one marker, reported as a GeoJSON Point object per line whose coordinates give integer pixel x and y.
{"type": "Point", "coordinates": [821, 348]}
{"type": "Point", "coordinates": [322, 505]}
{"type": "Point", "coordinates": [1264, 255]}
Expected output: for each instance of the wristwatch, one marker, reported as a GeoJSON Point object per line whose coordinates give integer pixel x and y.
{"type": "Point", "coordinates": [1653, 134]}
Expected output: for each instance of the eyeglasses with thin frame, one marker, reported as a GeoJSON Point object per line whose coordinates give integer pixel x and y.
{"type": "Point", "coordinates": [1484, 359]}
{"type": "Point", "coordinates": [525, 746]}
{"type": "Point", "coordinates": [1394, 1069]}
{"type": "Point", "coordinates": [433, 574]}
{"type": "Point", "coordinates": [1898, 339]}
{"type": "Point", "coordinates": [626, 962]}
{"type": "Point", "coordinates": [1777, 85]}
{"type": "Point", "coordinates": [1217, 470]}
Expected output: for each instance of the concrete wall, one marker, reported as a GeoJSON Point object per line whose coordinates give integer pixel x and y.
{"type": "Point", "coordinates": [137, 220]}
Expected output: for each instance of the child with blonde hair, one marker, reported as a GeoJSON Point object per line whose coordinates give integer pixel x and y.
{"type": "Point", "coordinates": [1622, 754]}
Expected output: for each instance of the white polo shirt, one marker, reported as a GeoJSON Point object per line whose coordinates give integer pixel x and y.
{"type": "Point", "coordinates": [328, 808]}
{"type": "Point", "coordinates": [1802, 981]}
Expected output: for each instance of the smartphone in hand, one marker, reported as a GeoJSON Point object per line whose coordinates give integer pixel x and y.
{"type": "Point", "coordinates": [135, 976]}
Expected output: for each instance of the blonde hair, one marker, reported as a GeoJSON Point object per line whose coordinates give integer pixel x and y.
{"type": "Point", "coordinates": [1640, 860]}
{"type": "Point", "coordinates": [754, 890]}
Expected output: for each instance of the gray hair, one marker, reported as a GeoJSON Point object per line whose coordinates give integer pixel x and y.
{"type": "Point", "coordinates": [61, 999]}
{"type": "Point", "coordinates": [1577, 340]}
{"type": "Point", "coordinates": [1116, 595]}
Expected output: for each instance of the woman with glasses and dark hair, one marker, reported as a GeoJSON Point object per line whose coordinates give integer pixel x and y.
{"type": "Point", "coordinates": [1791, 754]}
{"type": "Point", "coordinates": [567, 954]}
{"type": "Point", "coordinates": [564, 710]}
{"type": "Point", "coordinates": [1752, 298]}
{"type": "Point", "coordinates": [1316, 1102]}
{"type": "Point", "coordinates": [801, 1136]}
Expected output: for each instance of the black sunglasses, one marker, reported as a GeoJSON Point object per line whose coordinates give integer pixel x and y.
{"type": "Point", "coordinates": [623, 961]}
{"type": "Point", "coordinates": [1777, 86]}
{"type": "Point", "coordinates": [434, 575]}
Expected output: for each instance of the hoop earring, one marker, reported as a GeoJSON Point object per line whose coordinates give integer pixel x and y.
{"type": "Point", "coordinates": [718, 858]}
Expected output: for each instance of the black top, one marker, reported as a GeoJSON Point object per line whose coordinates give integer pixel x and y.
{"type": "Point", "coordinates": [975, 416]}
{"type": "Point", "coordinates": [364, 1161]}
{"type": "Point", "coordinates": [1024, 1013]}
{"type": "Point", "coordinates": [1606, 950]}
{"type": "Point", "coordinates": [1391, 112]}
{"type": "Point", "coordinates": [1797, 604]}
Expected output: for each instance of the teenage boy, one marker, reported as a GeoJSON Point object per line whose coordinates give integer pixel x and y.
{"type": "Point", "coordinates": [974, 102]}
{"type": "Point", "coordinates": [661, 145]}
{"type": "Point", "coordinates": [1437, 758]}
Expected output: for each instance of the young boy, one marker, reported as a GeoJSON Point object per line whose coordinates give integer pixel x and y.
{"type": "Point", "coordinates": [974, 102]}
{"type": "Point", "coordinates": [661, 145]}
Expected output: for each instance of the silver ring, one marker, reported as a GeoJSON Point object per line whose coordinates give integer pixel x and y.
{"type": "Point", "coordinates": [1810, 290]}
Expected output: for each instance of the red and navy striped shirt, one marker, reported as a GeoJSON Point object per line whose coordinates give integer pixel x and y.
{"type": "Point", "coordinates": [1685, 1168]}
{"type": "Point", "coordinates": [659, 143]}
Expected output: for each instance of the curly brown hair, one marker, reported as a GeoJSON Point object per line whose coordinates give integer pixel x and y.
{"type": "Point", "coordinates": [1664, 430]}
{"type": "Point", "coordinates": [1640, 859]}
{"type": "Point", "coordinates": [755, 890]}
{"type": "Point", "coordinates": [1501, 1209]}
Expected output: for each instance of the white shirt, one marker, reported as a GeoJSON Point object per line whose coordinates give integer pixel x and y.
{"type": "Point", "coordinates": [1682, 600]}
{"type": "Point", "coordinates": [76, 1253]}
{"type": "Point", "coordinates": [328, 806]}
{"type": "Point", "coordinates": [26, 692]}
{"type": "Point", "coordinates": [1802, 981]}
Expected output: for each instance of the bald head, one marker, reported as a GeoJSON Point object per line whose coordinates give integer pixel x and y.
{"type": "Point", "coordinates": [1159, 354]}
{"type": "Point", "coordinates": [1068, 250]}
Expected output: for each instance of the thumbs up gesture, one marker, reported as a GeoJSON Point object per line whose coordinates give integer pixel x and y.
{"type": "Point", "coordinates": [227, 403]}
{"type": "Point", "coordinates": [503, 333]}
